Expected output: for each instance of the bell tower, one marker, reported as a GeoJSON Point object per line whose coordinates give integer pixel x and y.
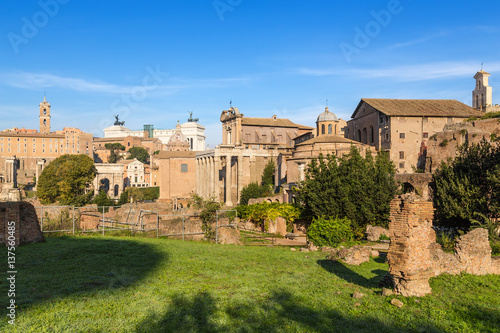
{"type": "Point", "coordinates": [44, 117]}
{"type": "Point", "coordinates": [482, 94]}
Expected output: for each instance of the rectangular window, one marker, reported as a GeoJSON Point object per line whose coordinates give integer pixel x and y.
{"type": "Point", "coordinates": [402, 165]}
{"type": "Point", "coordinates": [184, 168]}
{"type": "Point", "coordinates": [425, 135]}
{"type": "Point", "coordinates": [402, 135]}
{"type": "Point", "coordinates": [401, 155]}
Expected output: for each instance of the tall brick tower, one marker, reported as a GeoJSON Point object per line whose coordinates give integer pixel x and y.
{"type": "Point", "coordinates": [44, 117]}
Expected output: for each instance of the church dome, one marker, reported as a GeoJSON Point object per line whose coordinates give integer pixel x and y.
{"type": "Point", "coordinates": [327, 116]}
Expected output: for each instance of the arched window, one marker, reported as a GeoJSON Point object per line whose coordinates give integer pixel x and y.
{"type": "Point", "coordinates": [330, 129]}
{"type": "Point", "coordinates": [482, 100]}
{"type": "Point", "coordinates": [359, 135]}
{"type": "Point", "coordinates": [477, 101]}
{"type": "Point", "coordinates": [372, 136]}
{"type": "Point", "coordinates": [45, 121]}
{"type": "Point", "coordinates": [323, 129]}
{"type": "Point", "coordinates": [336, 130]}
{"type": "Point", "coordinates": [365, 136]}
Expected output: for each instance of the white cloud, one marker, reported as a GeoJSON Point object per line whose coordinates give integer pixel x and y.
{"type": "Point", "coordinates": [36, 81]}
{"type": "Point", "coordinates": [406, 73]}
{"type": "Point", "coordinates": [417, 41]}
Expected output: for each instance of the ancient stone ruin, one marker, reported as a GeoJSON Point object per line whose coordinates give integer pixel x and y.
{"type": "Point", "coordinates": [414, 256]}
{"type": "Point", "coordinates": [27, 228]}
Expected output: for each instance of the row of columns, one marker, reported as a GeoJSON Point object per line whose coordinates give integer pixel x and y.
{"type": "Point", "coordinates": [207, 176]}
{"type": "Point", "coordinates": [207, 172]}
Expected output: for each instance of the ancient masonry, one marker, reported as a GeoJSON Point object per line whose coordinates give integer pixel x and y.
{"type": "Point", "coordinates": [414, 256]}
{"type": "Point", "coordinates": [27, 229]}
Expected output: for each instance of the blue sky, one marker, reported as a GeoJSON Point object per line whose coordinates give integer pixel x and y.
{"type": "Point", "coordinates": [153, 61]}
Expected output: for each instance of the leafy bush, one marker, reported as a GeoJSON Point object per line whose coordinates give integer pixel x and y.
{"type": "Point", "coordinates": [446, 240]}
{"type": "Point", "coordinates": [251, 191]}
{"type": "Point", "coordinates": [208, 211]}
{"type": "Point", "coordinates": [330, 232]}
{"type": "Point", "coordinates": [262, 213]}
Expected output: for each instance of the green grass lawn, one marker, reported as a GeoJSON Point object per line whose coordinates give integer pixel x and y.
{"type": "Point", "coordinates": [119, 284]}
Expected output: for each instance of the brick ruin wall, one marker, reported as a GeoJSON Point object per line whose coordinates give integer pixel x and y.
{"type": "Point", "coordinates": [23, 214]}
{"type": "Point", "coordinates": [414, 256]}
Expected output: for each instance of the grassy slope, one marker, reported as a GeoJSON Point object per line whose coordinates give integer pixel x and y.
{"type": "Point", "coordinates": [148, 285]}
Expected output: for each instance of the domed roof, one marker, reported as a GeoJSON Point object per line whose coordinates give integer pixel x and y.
{"type": "Point", "coordinates": [327, 116]}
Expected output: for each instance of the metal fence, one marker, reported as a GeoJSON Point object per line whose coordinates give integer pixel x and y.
{"type": "Point", "coordinates": [117, 220]}
{"type": "Point", "coordinates": [71, 219]}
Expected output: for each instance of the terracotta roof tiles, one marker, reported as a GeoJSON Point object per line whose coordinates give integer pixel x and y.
{"type": "Point", "coordinates": [420, 107]}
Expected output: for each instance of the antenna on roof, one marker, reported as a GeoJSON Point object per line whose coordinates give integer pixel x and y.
{"type": "Point", "coordinates": [327, 102]}
{"type": "Point", "coordinates": [230, 104]}
{"type": "Point", "coordinates": [481, 66]}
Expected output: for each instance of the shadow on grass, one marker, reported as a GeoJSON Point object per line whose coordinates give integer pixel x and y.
{"type": "Point", "coordinates": [280, 312]}
{"type": "Point", "coordinates": [67, 266]}
{"type": "Point", "coordinates": [343, 272]}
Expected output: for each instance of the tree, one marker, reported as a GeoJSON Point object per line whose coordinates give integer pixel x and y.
{"type": "Point", "coordinates": [251, 191]}
{"type": "Point", "coordinates": [268, 174]}
{"type": "Point", "coordinates": [102, 199]}
{"type": "Point", "coordinates": [352, 187]}
{"type": "Point", "coordinates": [66, 180]}
{"type": "Point", "coordinates": [139, 153]}
{"type": "Point", "coordinates": [114, 148]}
{"type": "Point", "coordinates": [468, 185]}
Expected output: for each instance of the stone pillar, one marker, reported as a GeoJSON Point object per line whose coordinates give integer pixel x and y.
{"type": "Point", "coordinates": [211, 176]}
{"type": "Point", "coordinates": [198, 191]}
{"type": "Point", "coordinates": [410, 258]}
{"type": "Point", "coordinates": [239, 180]}
{"type": "Point", "coordinates": [217, 167]}
{"type": "Point", "coordinates": [204, 176]}
{"type": "Point", "coordinates": [229, 182]}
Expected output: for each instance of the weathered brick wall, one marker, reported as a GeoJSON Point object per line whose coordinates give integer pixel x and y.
{"type": "Point", "coordinates": [27, 229]}
{"type": "Point", "coordinates": [411, 233]}
{"type": "Point", "coordinates": [414, 256]}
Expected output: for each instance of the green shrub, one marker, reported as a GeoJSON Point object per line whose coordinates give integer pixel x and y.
{"type": "Point", "coordinates": [384, 237]}
{"type": "Point", "coordinates": [495, 248]}
{"type": "Point", "coordinates": [447, 241]}
{"type": "Point", "coordinates": [330, 232]}
{"type": "Point", "coordinates": [443, 143]}
{"type": "Point", "coordinates": [252, 190]}
{"type": "Point", "coordinates": [260, 214]}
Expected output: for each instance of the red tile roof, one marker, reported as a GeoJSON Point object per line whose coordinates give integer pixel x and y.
{"type": "Point", "coordinates": [420, 107]}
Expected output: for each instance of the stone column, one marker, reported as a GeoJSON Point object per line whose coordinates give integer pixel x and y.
{"type": "Point", "coordinates": [228, 181]}
{"type": "Point", "coordinates": [198, 191]}
{"type": "Point", "coordinates": [212, 176]}
{"type": "Point", "coordinates": [204, 176]}
{"type": "Point", "coordinates": [217, 167]}
{"type": "Point", "coordinates": [239, 180]}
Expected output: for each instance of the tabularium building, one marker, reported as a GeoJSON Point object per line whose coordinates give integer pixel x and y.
{"type": "Point", "coordinates": [35, 149]}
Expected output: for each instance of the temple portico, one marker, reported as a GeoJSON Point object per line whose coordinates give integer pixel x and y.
{"type": "Point", "coordinates": [224, 171]}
